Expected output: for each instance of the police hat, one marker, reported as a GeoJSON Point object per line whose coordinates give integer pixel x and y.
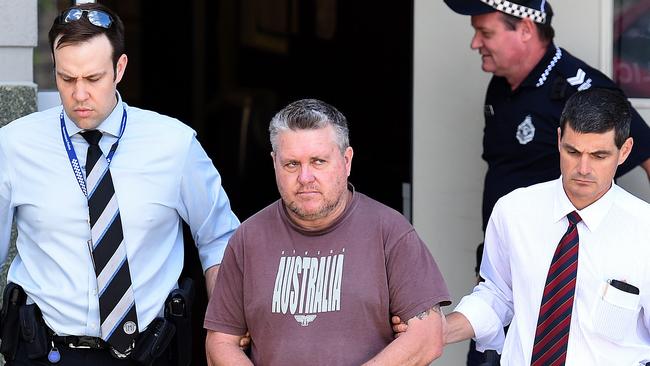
{"type": "Point", "coordinates": [538, 11]}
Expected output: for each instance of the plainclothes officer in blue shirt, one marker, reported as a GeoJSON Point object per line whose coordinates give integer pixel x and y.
{"type": "Point", "coordinates": [98, 189]}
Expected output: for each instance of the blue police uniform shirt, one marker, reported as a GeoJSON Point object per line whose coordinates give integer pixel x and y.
{"type": "Point", "coordinates": [520, 136]}
{"type": "Point", "coordinates": [161, 175]}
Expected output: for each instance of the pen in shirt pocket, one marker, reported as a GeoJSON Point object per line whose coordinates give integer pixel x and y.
{"type": "Point", "coordinates": [624, 286]}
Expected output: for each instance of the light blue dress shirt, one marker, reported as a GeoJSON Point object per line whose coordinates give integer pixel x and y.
{"type": "Point", "coordinates": [161, 175]}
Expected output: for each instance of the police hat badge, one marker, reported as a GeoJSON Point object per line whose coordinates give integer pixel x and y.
{"type": "Point", "coordinates": [538, 11]}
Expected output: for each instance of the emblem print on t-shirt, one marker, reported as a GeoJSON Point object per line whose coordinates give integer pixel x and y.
{"type": "Point", "coordinates": [308, 285]}
{"type": "Point", "coordinates": [526, 131]}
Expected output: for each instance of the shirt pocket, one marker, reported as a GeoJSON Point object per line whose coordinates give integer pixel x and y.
{"type": "Point", "coordinates": [615, 312]}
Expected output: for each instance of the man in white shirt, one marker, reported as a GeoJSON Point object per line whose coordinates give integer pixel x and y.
{"type": "Point", "coordinates": [602, 316]}
{"type": "Point", "coordinates": [98, 190]}
{"type": "Point", "coordinates": [609, 325]}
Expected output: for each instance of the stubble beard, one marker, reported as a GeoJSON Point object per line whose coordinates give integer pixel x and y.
{"type": "Point", "coordinates": [325, 209]}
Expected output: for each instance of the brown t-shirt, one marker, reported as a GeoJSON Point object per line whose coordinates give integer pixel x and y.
{"type": "Point", "coordinates": [323, 298]}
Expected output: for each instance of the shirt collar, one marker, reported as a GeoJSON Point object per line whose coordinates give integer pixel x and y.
{"type": "Point", "coordinates": [539, 70]}
{"type": "Point", "coordinates": [591, 215]}
{"type": "Point", "coordinates": [111, 125]}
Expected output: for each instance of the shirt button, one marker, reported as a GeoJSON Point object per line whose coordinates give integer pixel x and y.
{"type": "Point", "coordinates": [93, 326]}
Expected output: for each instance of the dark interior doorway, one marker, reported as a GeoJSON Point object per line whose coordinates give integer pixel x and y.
{"type": "Point", "coordinates": [225, 67]}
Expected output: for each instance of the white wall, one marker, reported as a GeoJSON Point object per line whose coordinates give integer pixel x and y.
{"type": "Point", "coordinates": [17, 40]}
{"type": "Point", "coordinates": [447, 133]}
{"type": "Point", "coordinates": [449, 89]}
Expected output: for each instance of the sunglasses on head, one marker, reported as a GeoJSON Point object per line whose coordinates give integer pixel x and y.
{"type": "Point", "coordinates": [97, 18]}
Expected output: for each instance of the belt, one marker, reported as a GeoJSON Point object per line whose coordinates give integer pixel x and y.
{"type": "Point", "coordinates": [84, 342]}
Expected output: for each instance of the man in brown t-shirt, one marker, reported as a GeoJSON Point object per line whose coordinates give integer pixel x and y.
{"type": "Point", "coordinates": [315, 276]}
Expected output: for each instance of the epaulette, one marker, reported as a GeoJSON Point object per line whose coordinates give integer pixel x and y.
{"type": "Point", "coordinates": [578, 75]}
{"type": "Point", "coordinates": [559, 88]}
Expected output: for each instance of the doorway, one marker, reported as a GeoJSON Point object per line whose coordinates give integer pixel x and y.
{"type": "Point", "coordinates": [225, 67]}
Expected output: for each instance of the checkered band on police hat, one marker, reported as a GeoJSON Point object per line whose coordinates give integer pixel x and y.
{"type": "Point", "coordinates": [517, 10]}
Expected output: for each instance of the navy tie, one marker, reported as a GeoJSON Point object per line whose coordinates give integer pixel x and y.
{"type": "Point", "coordinates": [119, 323]}
{"type": "Point", "coordinates": [552, 334]}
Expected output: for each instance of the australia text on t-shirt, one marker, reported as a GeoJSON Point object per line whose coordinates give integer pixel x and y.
{"type": "Point", "coordinates": [305, 286]}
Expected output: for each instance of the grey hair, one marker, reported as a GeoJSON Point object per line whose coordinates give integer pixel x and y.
{"type": "Point", "coordinates": [310, 114]}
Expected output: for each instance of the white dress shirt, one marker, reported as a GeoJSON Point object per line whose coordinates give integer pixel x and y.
{"type": "Point", "coordinates": [608, 326]}
{"type": "Point", "coordinates": [161, 175]}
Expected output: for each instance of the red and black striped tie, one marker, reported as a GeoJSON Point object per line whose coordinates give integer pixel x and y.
{"type": "Point", "coordinates": [552, 334]}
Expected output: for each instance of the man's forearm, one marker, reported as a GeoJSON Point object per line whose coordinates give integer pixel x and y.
{"type": "Point", "coordinates": [458, 328]}
{"type": "Point", "coordinates": [211, 278]}
{"type": "Point", "coordinates": [220, 352]}
{"type": "Point", "coordinates": [419, 345]}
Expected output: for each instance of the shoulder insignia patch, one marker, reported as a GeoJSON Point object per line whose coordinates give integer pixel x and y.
{"type": "Point", "coordinates": [579, 80]}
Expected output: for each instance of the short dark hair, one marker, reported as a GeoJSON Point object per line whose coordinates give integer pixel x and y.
{"type": "Point", "coordinates": [82, 30]}
{"type": "Point", "coordinates": [310, 114]}
{"type": "Point", "coordinates": [598, 110]}
{"type": "Point", "coordinates": [545, 31]}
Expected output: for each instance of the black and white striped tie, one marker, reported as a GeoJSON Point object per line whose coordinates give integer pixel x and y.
{"type": "Point", "coordinates": [116, 302]}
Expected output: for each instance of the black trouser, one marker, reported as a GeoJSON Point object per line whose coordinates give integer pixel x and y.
{"type": "Point", "coordinates": [476, 358]}
{"type": "Point", "coordinates": [81, 357]}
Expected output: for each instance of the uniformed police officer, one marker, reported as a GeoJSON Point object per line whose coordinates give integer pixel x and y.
{"type": "Point", "coordinates": [533, 78]}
